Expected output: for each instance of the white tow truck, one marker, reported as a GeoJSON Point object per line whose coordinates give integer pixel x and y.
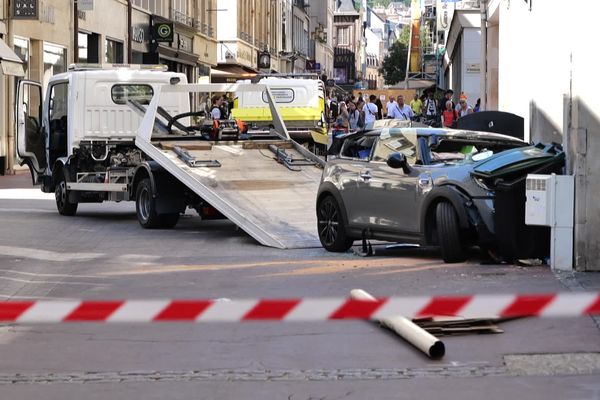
{"type": "Point", "coordinates": [129, 134]}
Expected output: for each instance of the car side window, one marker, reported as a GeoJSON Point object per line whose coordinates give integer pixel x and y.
{"type": "Point", "coordinates": [395, 142]}
{"type": "Point", "coordinates": [358, 148]}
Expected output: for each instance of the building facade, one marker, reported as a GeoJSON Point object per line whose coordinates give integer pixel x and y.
{"type": "Point", "coordinates": [348, 40]}
{"type": "Point", "coordinates": [249, 31]}
{"type": "Point", "coordinates": [321, 27]}
{"type": "Point", "coordinates": [47, 36]}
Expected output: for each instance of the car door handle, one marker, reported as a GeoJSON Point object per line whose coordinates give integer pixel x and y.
{"type": "Point", "coordinates": [366, 175]}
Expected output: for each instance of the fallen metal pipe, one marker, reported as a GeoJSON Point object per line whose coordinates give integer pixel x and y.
{"type": "Point", "coordinates": [407, 329]}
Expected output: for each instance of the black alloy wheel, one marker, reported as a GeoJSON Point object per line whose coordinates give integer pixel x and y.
{"type": "Point", "coordinates": [331, 227]}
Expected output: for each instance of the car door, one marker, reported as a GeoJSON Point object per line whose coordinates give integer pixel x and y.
{"type": "Point", "coordinates": [392, 193]}
{"type": "Point", "coordinates": [353, 158]}
{"type": "Point", "coordinates": [31, 137]}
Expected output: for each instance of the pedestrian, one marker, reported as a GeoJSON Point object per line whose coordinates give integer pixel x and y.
{"type": "Point", "coordinates": [449, 116]}
{"type": "Point", "coordinates": [430, 107]}
{"type": "Point", "coordinates": [333, 108]}
{"type": "Point", "coordinates": [447, 97]}
{"type": "Point", "coordinates": [360, 106]}
{"type": "Point", "coordinates": [360, 97]}
{"type": "Point", "coordinates": [379, 108]}
{"type": "Point", "coordinates": [477, 107]}
{"type": "Point", "coordinates": [343, 119]}
{"type": "Point", "coordinates": [370, 110]}
{"type": "Point", "coordinates": [215, 108]}
{"type": "Point", "coordinates": [226, 105]}
{"type": "Point", "coordinates": [391, 107]}
{"type": "Point", "coordinates": [416, 104]}
{"type": "Point", "coordinates": [463, 107]}
{"type": "Point", "coordinates": [353, 116]}
{"type": "Point", "coordinates": [405, 112]}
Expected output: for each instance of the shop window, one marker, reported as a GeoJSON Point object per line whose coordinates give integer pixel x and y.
{"type": "Point", "coordinates": [21, 48]}
{"type": "Point", "coordinates": [88, 47]}
{"type": "Point", "coordinates": [55, 61]}
{"type": "Point", "coordinates": [114, 51]}
{"type": "Point", "coordinates": [120, 94]}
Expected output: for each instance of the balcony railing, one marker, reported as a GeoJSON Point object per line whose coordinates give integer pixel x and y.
{"type": "Point", "coordinates": [181, 17]}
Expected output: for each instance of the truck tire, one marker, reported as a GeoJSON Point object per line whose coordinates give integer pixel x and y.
{"type": "Point", "coordinates": [331, 226]}
{"type": "Point", "coordinates": [449, 233]}
{"type": "Point", "coordinates": [145, 207]}
{"type": "Point", "coordinates": [61, 195]}
{"type": "Point", "coordinates": [169, 221]}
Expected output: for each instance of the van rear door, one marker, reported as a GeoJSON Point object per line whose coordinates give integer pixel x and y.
{"type": "Point", "coordinates": [31, 139]}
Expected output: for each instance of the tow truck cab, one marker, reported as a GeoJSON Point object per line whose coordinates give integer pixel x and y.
{"type": "Point", "coordinates": [85, 107]}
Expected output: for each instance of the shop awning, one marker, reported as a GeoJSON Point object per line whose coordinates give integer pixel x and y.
{"type": "Point", "coordinates": [231, 73]}
{"type": "Point", "coordinates": [178, 56]}
{"type": "Point", "coordinates": [10, 63]}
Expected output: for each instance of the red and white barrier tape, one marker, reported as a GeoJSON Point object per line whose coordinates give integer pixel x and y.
{"type": "Point", "coordinates": [307, 309]}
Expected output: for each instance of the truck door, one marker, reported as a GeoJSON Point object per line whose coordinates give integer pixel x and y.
{"type": "Point", "coordinates": [31, 137]}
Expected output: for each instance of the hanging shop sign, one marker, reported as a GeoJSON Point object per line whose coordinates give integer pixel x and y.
{"type": "Point", "coordinates": [264, 60]}
{"type": "Point", "coordinates": [25, 9]}
{"type": "Point", "coordinates": [163, 32]}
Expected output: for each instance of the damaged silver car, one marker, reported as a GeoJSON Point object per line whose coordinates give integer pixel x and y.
{"type": "Point", "coordinates": [448, 188]}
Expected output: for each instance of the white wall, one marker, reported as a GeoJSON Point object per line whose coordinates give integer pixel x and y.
{"type": "Point", "coordinates": [227, 21]}
{"type": "Point", "coordinates": [548, 74]}
{"type": "Point", "coordinates": [471, 54]}
{"type": "Point", "coordinates": [533, 65]}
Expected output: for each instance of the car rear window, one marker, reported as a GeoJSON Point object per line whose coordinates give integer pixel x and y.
{"type": "Point", "coordinates": [122, 93]}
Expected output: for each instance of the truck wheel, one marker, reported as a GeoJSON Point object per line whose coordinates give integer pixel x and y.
{"type": "Point", "coordinates": [61, 194]}
{"type": "Point", "coordinates": [145, 206]}
{"type": "Point", "coordinates": [449, 233]}
{"type": "Point", "coordinates": [331, 227]}
{"type": "Point", "coordinates": [168, 221]}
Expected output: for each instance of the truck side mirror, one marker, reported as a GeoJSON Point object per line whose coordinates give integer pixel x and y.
{"type": "Point", "coordinates": [398, 160]}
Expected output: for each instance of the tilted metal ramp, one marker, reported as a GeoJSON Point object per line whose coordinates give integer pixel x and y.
{"type": "Point", "coordinates": [270, 202]}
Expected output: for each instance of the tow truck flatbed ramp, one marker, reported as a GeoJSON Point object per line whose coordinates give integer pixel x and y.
{"type": "Point", "coordinates": [265, 198]}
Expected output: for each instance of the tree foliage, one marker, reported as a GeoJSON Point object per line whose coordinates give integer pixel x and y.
{"type": "Point", "coordinates": [393, 67]}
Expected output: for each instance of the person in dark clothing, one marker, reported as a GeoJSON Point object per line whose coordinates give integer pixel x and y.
{"type": "Point", "coordinates": [333, 108]}
{"type": "Point", "coordinates": [447, 97]}
{"type": "Point", "coordinates": [379, 105]}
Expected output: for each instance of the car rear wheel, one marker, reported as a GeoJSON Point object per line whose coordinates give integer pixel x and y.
{"type": "Point", "coordinates": [331, 227]}
{"type": "Point", "coordinates": [449, 233]}
{"type": "Point", "coordinates": [145, 206]}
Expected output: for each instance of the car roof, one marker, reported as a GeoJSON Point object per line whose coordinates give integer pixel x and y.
{"type": "Point", "coordinates": [449, 133]}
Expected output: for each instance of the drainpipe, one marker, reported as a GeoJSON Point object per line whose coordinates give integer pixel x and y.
{"type": "Point", "coordinates": [75, 33]}
{"type": "Point", "coordinates": [10, 100]}
{"type": "Point", "coordinates": [483, 72]}
{"type": "Point", "coordinates": [129, 33]}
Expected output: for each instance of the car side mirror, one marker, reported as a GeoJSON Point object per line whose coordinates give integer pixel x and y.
{"type": "Point", "coordinates": [398, 160]}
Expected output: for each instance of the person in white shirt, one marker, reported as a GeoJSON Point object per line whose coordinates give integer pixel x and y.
{"type": "Point", "coordinates": [405, 111]}
{"type": "Point", "coordinates": [370, 109]}
{"type": "Point", "coordinates": [392, 108]}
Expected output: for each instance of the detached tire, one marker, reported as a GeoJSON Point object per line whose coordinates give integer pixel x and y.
{"type": "Point", "coordinates": [61, 194]}
{"type": "Point", "coordinates": [331, 227]}
{"type": "Point", "coordinates": [449, 233]}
